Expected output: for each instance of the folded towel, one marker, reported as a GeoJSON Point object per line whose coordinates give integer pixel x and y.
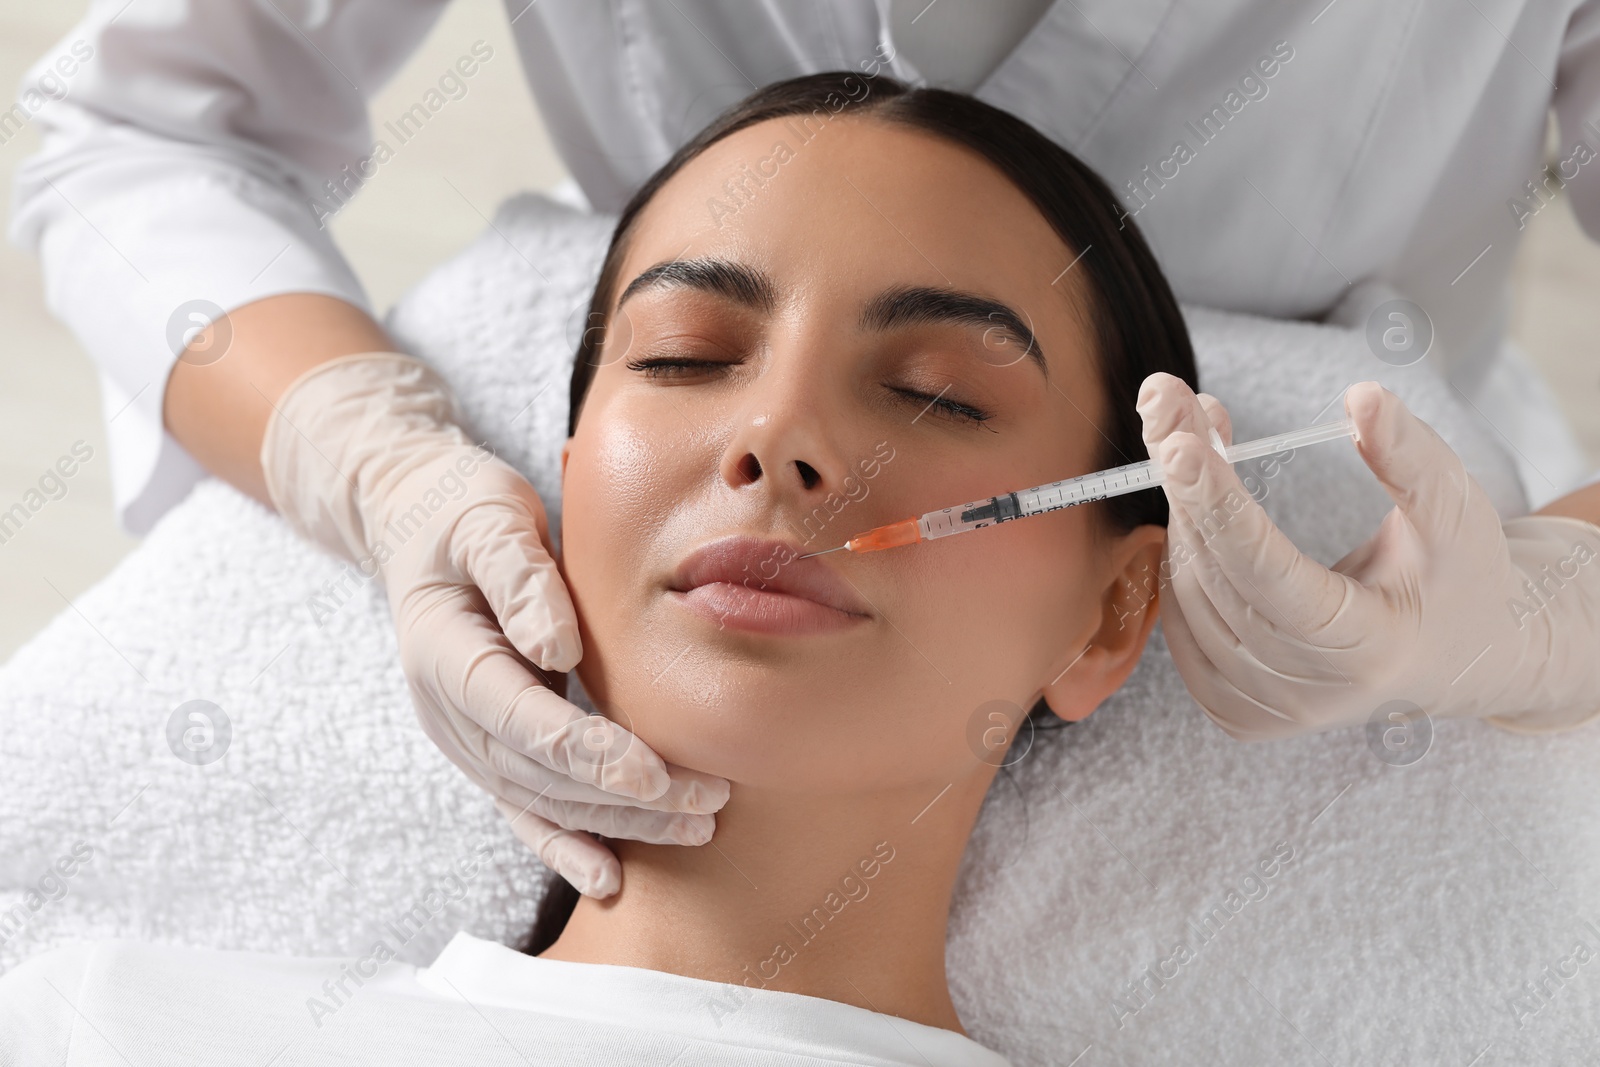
{"type": "Point", "coordinates": [1140, 889]}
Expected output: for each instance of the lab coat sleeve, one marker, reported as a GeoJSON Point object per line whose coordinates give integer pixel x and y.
{"type": "Point", "coordinates": [1577, 107]}
{"type": "Point", "coordinates": [186, 151]}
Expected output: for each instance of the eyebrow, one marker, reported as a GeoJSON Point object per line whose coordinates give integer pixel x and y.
{"type": "Point", "coordinates": [899, 306]}
{"type": "Point", "coordinates": [721, 277]}
{"type": "Point", "coordinates": [909, 305]}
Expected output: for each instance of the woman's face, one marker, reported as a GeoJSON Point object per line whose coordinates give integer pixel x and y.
{"type": "Point", "coordinates": [814, 338]}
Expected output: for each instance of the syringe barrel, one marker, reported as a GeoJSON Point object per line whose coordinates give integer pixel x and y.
{"type": "Point", "coordinates": [1036, 501]}
{"type": "Point", "coordinates": [970, 516]}
{"type": "Point", "coordinates": [1102, 485]}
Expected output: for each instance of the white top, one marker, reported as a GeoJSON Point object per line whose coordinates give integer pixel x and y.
{"type": "Point", "coordinates": [1274, 153]}
{"type": "Point", "coordinates": [120, 1002]}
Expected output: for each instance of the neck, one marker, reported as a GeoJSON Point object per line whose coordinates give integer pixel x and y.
{"type": "Point", "coordinates": [841, 897]}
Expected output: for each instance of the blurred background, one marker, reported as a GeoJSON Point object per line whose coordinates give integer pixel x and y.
{"type": "Point", "coordinates": [488, 145]}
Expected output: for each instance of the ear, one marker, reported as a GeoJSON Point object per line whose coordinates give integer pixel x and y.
{"type": "Point", "coordinates": [1086, 675]}
{"type": "Point", "coordinates": [566, 450]}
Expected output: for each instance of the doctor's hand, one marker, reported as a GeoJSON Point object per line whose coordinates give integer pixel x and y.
{"type": "Point", "coordinates": [365, 457]}
{"type": "Point", "coordinates": [1444, 607]}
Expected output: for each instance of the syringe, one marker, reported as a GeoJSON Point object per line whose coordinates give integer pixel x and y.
{"type": "Point", "coordinates": [1129, 478]}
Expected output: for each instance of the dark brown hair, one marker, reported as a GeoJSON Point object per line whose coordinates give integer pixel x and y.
{"type": "Point", "coordinates": [1134, 316]}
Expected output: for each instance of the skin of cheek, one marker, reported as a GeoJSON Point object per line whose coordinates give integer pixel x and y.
{"type": "Point", "coordinates": [863, 709]}
{"type": "Point", "coordinates": [1008, 608]}
{"type": "Point", "coordinates": [612, 477]}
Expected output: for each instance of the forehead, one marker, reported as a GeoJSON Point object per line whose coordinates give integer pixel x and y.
{"type": "Point", "coordinates": [838, 210]}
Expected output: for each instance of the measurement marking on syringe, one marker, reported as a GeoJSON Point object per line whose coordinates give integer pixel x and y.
{"type": "Point", "coordinates": [1130, 477]}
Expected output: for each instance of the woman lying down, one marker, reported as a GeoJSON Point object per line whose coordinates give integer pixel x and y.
{"type": "Point", "coordinates": [840, 289]}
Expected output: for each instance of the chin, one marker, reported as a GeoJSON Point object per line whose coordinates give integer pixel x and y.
{"type": "Point", "coordinates": [774, 727]}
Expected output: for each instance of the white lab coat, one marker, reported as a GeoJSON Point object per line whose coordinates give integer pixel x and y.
{"type": "Point", "coordinates": [1390, 141]}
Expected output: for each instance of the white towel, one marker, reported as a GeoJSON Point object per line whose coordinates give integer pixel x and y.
{"type": "Point", "coordinates": [1413, 914]}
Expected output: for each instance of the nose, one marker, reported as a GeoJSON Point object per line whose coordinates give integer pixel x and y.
{"type": "Point", "coordinates": [785, 440]}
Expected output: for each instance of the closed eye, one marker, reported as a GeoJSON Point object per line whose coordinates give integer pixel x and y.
{"type": "Point", "coordinates": [659, 367]}
{"type": "Point", "coordinates": [945, 405]}
{"type": "Point", "coordinates": [675, 366]}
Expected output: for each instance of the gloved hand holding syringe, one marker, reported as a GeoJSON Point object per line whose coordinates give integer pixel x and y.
{"type": "Point", "coordinates": [1042, 499]}
{"type": "Point", "coordinates": [1447, 609]}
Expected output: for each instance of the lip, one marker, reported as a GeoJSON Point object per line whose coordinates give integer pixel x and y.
{"type": "Point", "coordinates": [762, 586]}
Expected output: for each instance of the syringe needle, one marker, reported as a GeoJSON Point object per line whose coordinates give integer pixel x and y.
{"type": "Point", "coordinates": [824, 552]}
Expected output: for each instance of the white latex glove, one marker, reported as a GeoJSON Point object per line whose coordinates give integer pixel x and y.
{"type": "Point", "coordinates": [1441, 607]}
{"type": "Point", "coordinates": [364, 456]}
